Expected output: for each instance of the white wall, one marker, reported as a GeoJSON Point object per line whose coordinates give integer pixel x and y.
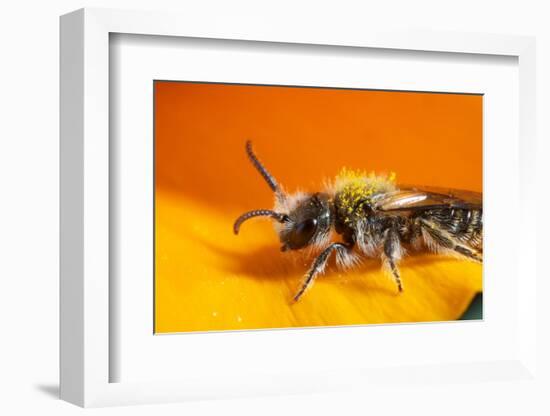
{"type": "Point", "coordinates": [29, 205]}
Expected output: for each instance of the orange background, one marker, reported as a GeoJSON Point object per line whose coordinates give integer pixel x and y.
{"type": "Point", "coordinates": [303, 135]}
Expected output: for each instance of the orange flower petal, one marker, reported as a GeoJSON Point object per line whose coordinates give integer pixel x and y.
{"type": "Point", "coordinates": [209, 279]}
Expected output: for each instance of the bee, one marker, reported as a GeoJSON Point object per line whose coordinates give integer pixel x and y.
{"type": "Point", "coordinates": [374, 218]}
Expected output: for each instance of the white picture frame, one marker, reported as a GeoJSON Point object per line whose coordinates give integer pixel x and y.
{"type": "Point", "coordinates": [86, 355]}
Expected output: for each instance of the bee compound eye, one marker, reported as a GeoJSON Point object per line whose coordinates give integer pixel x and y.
{"type": "Point", "coordinates": [307, 226]}
{"type": "Point", "coordinates": [303, 232]}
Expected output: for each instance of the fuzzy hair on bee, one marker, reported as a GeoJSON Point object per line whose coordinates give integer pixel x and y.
{"type": "Point", "coordinates": [361, 214]}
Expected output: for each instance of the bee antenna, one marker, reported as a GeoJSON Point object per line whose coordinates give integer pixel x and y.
{"type": "Point", "coordinates": [258, 213]}
{"type": "Point", "coordinates": [263, 171]}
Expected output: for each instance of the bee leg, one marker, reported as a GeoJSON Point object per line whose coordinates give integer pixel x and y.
{"type": "Point", "coordinates": [392, 254]}
{"type": "Point", "coordinates": [318, 267]}
{"type": "Point", "coordinates": [443, 239]}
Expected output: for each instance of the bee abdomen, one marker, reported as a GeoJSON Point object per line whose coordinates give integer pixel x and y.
{"type": "Point", "coordinates": [463, 223]}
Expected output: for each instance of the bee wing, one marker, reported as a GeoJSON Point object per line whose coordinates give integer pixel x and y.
{"type": "Point", "coordinates": [423, 198]}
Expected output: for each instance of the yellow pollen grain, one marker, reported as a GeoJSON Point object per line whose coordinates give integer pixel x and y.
{"type": "Point", "coordinates": [357, 187]}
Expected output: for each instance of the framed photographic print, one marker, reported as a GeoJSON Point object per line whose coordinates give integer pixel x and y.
{"type": "Point", "coordinates": [237, 208]}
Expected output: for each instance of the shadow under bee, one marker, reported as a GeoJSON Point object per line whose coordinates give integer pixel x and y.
{"type": "Point", "coordinates": [263, 262]}
{"type": "Point", "coordinates": [266, 262]}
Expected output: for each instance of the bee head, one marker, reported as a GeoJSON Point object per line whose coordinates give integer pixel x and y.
{"type": "Point", "coordinates": [308, 222]}
{"type": "Point", "coordinates": [301, 220]}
